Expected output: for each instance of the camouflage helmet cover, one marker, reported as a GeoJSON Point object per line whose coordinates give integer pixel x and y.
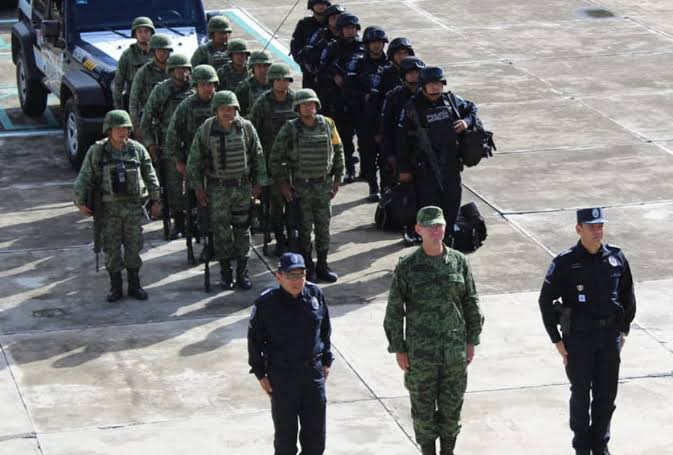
{"type": "Point", "coordinates": [116, 119]}
{"type": "Point", "coordinates": [260, 58]}
{"type": "Point", "coordinates": [280, 71]}
{"type": "Point", "coordinates": [161, 41]}
{"type": "Point", "coordinates": [218, 24]}
{"type": "Point", "coordinates": [237, 46]}
{"type": "Point", "coordinates": [224, 98]}
{"type": "Point", "coordinates": [177, 61]}
{"type": "Point", "coordinates": [142, 21]}
{"type": "Point", "coordinates": [305, 95]}
{"type": "Point", "coordinates": [204, 73]}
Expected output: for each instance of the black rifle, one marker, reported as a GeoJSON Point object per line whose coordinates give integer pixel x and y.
{"type": "Point", "coordinates": [94, 201]}
{"type": "Point", "coordinates": [424, 143]}
{"type": "Point", "coordinates": [165, 211]}
{"type": "Point", "coordinates": [191, 225]}
{"type": "Point", "coordinates": [204, 231]}
{"type": "Point", "coordinates": [293, 222]}
{"type": "Point", "coordinates": [265, 222]}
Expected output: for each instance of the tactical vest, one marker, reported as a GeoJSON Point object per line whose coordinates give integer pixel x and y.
{"type": "Point", "coordinates": [279, 114]}
{"type": "Point", "coordinates": [255, 89]}
{"type": "Point", "coordinates": [199, 111]}
{"type": "Point", "coordinates": [176, 95]}
{"type": "Point", "coordinates": [228, 159]}
{"type": "Point", "coordinates": [314, 149]}
{"type": "Point", "coordinates": [217, 58]}
{"type": "Point", "coordinates": [229, 78]}
{"type": "Point", "coordinates": [121, 178]}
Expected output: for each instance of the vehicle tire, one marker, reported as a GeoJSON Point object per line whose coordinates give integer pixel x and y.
{"type": "Point", "coordinates": [32, 94]}
{"type": "Point", "coordinates": [77, 138]}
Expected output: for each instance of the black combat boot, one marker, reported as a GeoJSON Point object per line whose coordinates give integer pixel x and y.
{"type": "Point", "coordinates": [310, 268]}
{"type": "Point", "coordinates": [134, 289]}
{"type": "Point", "coordinates": [281, 242]}
{"type": "Point", "coordinates": [374, 192]}
{"type": "Point", "coordinates": [226, 275]}
{"type": "Point", "coordinates": [322, 270]}
{"type": "Point", "coordinates": [428, 449]}
{"type": "Point", "coordinates": [243, 280]}
{"type": "Point", "coordinates": [116, 291]}
{"type": "Point", "coordinates": [178, 227]}
{"type": "Point", "coordinates": [409, 236]}
{"type": "Point", "coordinates": [446, 446]}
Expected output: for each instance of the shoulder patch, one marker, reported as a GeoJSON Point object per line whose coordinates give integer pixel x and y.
{"type": "Point", "coordinates": [613, 247]}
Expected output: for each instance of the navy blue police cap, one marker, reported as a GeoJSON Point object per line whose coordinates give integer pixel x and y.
{"type": "Point", "coordinates": [590, 216]}
{"type": "Point", "coordinates": [291, 261]}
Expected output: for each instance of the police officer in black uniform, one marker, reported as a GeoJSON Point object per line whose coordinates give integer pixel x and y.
{"type": "Point", "coordinates": [317, 43]}
{"type": "Point", "coordinates": [440, 117]}
{"type": "Point", "coordinates": [394, 102]}
{"type": "Point", "coordinates": [305, 28]}
{"type": "Point", "coordinates": [598, 304]}
{"type": "Point", "coordinates": [362, 83]}
{"type": "Point", "coordinates": [391, 76]}
{"type": "Point", "coordinates": [289, 351]}
{"type": "Point", "coordinates": [334, 63]}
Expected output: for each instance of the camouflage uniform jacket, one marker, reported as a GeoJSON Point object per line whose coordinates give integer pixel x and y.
{"type": "Point", "coordinates": [144, 81]}
{"type": "Point", "coordinates": [262, 117]}
{"type": "Point", "coordinates": [438, 298]}
{"type": "Point", "coordinates": [183, 126]}
{"type": "Point", "coordinates": [230, 77]}
{"type": "Point", "coordinates": [129, 63]}
{"type": "Point", "coordinates": [247, 91]}
{"type": "Point", "coordinates": [206, 54]}
{"type": "Point", "coordinates": [159, 109]}
{"type": "Point", "coordinates": [286, 159]}
{"type": "Point", "coordinates": [90, 174]}
{"type": "Point", "coordinates": [200, 159]}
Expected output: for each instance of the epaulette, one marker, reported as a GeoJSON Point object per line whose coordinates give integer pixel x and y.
{"type": "Point", "coordinates": [614, 248]}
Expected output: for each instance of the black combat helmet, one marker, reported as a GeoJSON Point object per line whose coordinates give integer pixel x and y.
{"type": "Point", "coordinates": [347, 19]}
{"type": "Point", "coordinates": [411, 63]}
{"type": "Point", "coordinates": [397, 44]}
{"type": "Point", "coordinates": [432, 74]}
{"type": "Point", "coordinates": [334, 9]}
{"type": "Point", "coordinates": [312, 3]}
{"type": "Point", "coordinates": [374, 33]}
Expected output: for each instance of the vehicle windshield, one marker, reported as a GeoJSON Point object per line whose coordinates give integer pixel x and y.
{"type": "Point", "coordinates": [91, 15]}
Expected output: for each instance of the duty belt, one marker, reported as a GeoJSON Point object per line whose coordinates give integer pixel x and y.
{"type": "Point", "coordinates": [229, 183]}
{"type": "Point", "coordinates": [281, 362]}
{"type": "Point", "coordinates": [590, 324]}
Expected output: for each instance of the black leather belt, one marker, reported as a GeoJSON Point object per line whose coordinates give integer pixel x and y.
{"type": "Point", "coordinates": [591, 324]}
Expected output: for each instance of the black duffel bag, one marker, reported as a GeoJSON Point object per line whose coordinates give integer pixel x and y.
{"type": "Point", "coordinates": [469, 231]}
{"type": "Point", "coordinates": [475, 142]}
{"type": "Point", "coordinates": [397, 207]}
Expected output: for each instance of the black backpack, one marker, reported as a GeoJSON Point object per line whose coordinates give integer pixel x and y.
{"type": "Point", "coordinates": [469, 231]}
{"type": "Point", "coordinates": [397, 207]}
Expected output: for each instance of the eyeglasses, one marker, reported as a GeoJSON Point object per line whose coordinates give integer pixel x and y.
{"type": "Point", "coordinates": [295, 276]}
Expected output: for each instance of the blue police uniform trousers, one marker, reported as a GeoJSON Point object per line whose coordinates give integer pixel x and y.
{"type": "Point", "coordinates": [298, 393]}
{"type": "Point", "coordinates": [593, 368]}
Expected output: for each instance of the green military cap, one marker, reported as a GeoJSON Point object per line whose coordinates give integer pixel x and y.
{"type": "Point", "coordinates": [161, 41]}
{"type": "Point", "coordinates": [218, 24]}
{"type": "Point", "coordinates": [260, 58]}
{"type": "Point", "coordinates": [237, 46]}
{"type": "Point", "coordinates": [224, 98]}
{"type": "Point", "coordinates": [279, 71]}
{"type": "Point", "coordinates": [305, 95]}
{"type": "Point", "coordinates": [142, 21]}
{"type": "Point", "coordinates": [429, 216]}
{"type": "Point", "coordinates": [116, 119]}
{"type": "Point", "coordinates": [177, 61]}
{"type": "Point", "coordinates": [204, 73]}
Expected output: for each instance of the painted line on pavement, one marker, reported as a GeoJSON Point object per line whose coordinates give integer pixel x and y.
{"type": "Point", "coordinates": [261, 34]}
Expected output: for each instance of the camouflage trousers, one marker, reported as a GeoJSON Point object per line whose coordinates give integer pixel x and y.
{"type": "Point", "coordinates": [173, 179]}
{"type": "Point", "coordinates": [436, 389]}
{"type": "Point", "coordinates": [122, 235]}
{"type": "Point", "coordinates": [230, 221]}
{"type": "Point", "coordinates": [315, 200]}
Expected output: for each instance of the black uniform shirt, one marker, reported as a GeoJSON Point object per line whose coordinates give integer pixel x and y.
{"type": "Point", "coordinates": [305, 29]}
{"type": "Point", "coordinates": [594, 286]}
{"type": "Point", "coordinates": [284, 330]}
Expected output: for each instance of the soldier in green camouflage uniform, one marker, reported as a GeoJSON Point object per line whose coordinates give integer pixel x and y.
{"type": "Point", "coordinates": [434, 291]}
{"type": "Point", "coordinates": [189, 115]}
{"type": "Point", "coordinates": [159, 109]}
{"type": "Point", "coordinates": [308, 153]}
{"type": "Point", "coordinates": [236, 69]}
{"type": "Point", "coordinates": [149, 75]}
{"type": "Point", "coordinates": [121, 169]}
{"type": "Point", "coordinates": [214, 52]}
{"type": "Point", "coordinates": [131, 60]}
{"type": "Point", "coordinates": [271, 111]}
{"type": "Point", "coordinates": [257, 83]}
{"type": "Point", "coordinates": [226, 169]}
